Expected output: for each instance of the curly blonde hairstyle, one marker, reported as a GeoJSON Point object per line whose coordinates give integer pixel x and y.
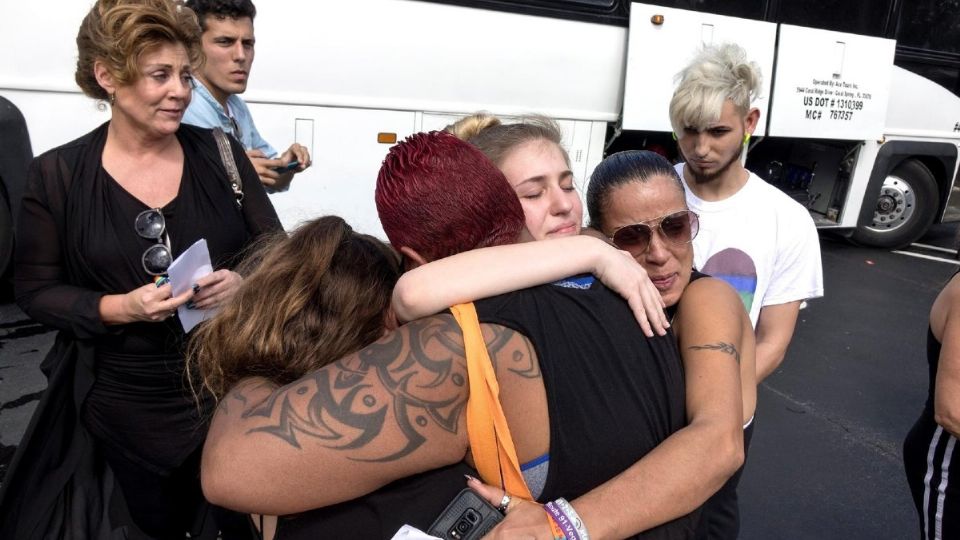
{"type": "Point", "coordinates": [118, 33]}
{"type": "Point", "coordinates": [312, 297]}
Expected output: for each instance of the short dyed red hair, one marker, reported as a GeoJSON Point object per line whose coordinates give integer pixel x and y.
{"type": "Point", "coordinates": [439, 196]}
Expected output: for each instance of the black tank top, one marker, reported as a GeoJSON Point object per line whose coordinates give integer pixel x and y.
{"type": "Point", "coordinates": [613, 395]}
{"type": "Point", "coordinates": [671, 311]}
{"type": "Point", "coordinates": [933, 361]}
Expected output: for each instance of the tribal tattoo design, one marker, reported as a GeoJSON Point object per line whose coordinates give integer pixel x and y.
{"type": "Point", "coordinates": [420, 371]}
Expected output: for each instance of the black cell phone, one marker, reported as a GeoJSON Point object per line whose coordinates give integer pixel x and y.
{"type": "Point", "coordinates": [288, 167]}
{"type": "Point", "coordinates": [469, 516]}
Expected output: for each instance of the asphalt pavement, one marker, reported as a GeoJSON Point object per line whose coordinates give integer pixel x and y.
{"type": "Point", "coordinates": [825, 459]}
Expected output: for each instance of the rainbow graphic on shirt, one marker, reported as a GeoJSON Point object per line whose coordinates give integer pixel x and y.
{"type": "Point", "coordinates": [736, 268]}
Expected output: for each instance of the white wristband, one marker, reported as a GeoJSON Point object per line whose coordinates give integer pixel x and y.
{"type": "Point", "coordinates": [574, 517]}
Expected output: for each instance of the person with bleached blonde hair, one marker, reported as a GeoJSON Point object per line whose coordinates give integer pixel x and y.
{"type": "Point", "coordinates": [751, 234]}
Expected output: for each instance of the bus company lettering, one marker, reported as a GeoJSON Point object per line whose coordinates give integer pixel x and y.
{"type": "Point", "coordinates": [835, 100]}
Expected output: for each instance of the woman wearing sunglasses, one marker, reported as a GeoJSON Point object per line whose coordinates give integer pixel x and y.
{"type": "Point", "coordinates": [117, 432]}
{"type": "Point", "coordinates": [636, 200]}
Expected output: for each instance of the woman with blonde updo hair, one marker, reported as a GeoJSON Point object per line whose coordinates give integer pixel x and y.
{"type": "Point", "coordinates": [531, 155]}
{"type": "Point", "coordinates": [113, 447]}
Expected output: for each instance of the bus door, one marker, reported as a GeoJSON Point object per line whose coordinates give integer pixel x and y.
{"type": "Point", "coordinates": [663, 40]}
{"type": "Point", "coordinates": [831, 85]}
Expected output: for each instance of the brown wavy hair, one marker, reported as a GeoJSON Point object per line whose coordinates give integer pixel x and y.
{"type": "Point", "coordinates": [119, 32]}
{"type": "Point", "coordinates": [314, 296]}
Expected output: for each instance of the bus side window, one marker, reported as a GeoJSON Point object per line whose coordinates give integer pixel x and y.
{"type": "Point", "coordinates": [747, 9]}
{"type": "Point", "coordinates": [931, 25]}
{"type": "Point", "coordinates": [600, 11]}
{"type": "Point", "coordinates": [866, 17]}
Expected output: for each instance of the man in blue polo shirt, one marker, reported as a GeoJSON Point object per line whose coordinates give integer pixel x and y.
{"type": "Point", "coordinates": [228, 42]}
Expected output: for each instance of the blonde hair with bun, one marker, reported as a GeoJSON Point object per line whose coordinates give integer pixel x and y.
{"type": "Point", "coordinates": [497, 139]}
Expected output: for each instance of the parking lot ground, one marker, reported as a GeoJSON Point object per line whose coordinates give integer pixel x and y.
{"type": "Point", "coordinates": [826, 460]}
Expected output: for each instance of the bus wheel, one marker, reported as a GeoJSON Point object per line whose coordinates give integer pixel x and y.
{"type": "Point", "coordinates": [6, 241]}
{"type": "Point", "coordinates": [905, 208]}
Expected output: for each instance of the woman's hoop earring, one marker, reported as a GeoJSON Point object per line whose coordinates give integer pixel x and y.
{"type": "Point", "coordinates": [112, 98]}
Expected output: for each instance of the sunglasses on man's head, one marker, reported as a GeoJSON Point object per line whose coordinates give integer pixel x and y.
{"type": "Point", "coordinates": [677, 228]}
{"type": "Point", "coordinates": [151, 225]}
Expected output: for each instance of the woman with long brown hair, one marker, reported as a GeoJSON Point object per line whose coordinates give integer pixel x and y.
{"type": "Point", "coordinates": [310, 298]}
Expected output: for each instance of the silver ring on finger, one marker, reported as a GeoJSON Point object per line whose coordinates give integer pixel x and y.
{"type": "Point", "coordinates": [504, 503]}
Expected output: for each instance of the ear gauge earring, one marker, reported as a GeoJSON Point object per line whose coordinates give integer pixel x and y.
{"type": "Point", "coordinates": [674, 134]}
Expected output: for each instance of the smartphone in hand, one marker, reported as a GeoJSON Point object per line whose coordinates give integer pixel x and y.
{"type": "Point", "coordinates": [292, 166]}
{"type": "Point", "coordinates": [468, 517]}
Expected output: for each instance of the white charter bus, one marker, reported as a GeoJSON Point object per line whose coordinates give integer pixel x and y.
{"type": "Point", "coordinates": [860, 112]}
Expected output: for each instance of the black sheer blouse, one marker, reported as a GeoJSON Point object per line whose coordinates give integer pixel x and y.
{"type": "Point", "coordinates": [76, 242]}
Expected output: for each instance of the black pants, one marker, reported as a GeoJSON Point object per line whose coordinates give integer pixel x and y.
{"type": "Point", "coordinates": [721, 513]}
{"type": "Point", "coordinates": [931, 457]}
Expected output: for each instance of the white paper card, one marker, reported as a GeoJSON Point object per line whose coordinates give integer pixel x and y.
{"type": "Point", "coordinates": [412, 533]}
{"type": "Point", "coordinates": [191, 265]}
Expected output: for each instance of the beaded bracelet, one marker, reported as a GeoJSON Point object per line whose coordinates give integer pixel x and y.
{"type": "Point", "coordinates": [574, 517]}
{"type": "Point", "coordinates": [562, 520]}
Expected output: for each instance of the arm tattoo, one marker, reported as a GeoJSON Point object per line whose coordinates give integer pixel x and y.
{"type": "Point", "coordinates": [522, 361]}
{"type": "Point", "coordinates": [400, 384]}
{"type": "Point", "coordinates": [237, 394]}
{"type": "Point", "coordinates": [728, 348]}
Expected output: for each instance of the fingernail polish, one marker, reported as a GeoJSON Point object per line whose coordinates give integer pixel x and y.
{"type": "Point", "coordinates": [190, 304]}
{"type": "Point", "coordinates": [470, 478]}
{"type": "Point", "coordinates": [196, 288]}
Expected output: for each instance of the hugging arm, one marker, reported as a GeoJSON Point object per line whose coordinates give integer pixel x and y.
{"type": "Point", "coordinates": [393, 409]}
{"type": "Point", "coordinates": [390, 410]}
{"type": "Point", "coordinates": [690, 465]}
{"type": "Point", "coordinates": [486, 272]}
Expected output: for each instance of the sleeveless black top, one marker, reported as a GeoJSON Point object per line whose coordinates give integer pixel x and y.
{"type": "Point", "coordinates": [671, 311]}
{"type": "Point", "coordinates": [613, 394]}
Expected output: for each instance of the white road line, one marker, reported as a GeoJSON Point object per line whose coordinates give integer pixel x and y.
{"type": "Point", "coordinates": [928, 257]}
{"type": "Point", "coordinates": [935, 248]}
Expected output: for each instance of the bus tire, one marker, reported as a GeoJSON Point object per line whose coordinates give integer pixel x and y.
{"type": "Point", "coordinates": [6, 241]}
{"type": "Point", "coordinates": [904, 209]}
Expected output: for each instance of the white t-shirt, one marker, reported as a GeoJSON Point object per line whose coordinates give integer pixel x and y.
{"type": "Point", "coordinates": [761, 242]}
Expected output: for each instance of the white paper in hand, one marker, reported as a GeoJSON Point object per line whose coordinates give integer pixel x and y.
{"type": "Point", "coordinates": [408, 532]}
{"type": "Point", "coordinates": [191, 265]}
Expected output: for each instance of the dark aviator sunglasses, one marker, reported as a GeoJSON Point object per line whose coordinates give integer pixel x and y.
{"type": "Point", "coordinates": [677, 228]}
